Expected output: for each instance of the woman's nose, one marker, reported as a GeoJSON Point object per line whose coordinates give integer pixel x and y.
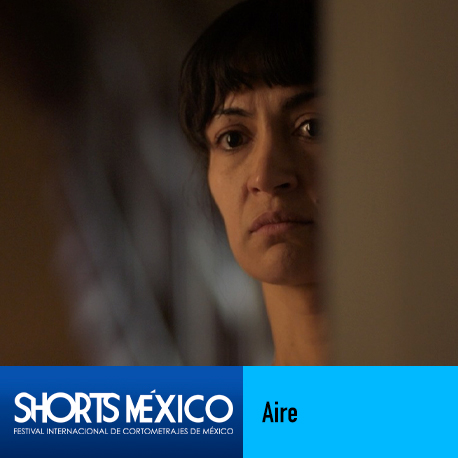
{"type": "Point", "coordinates": [272, 169]}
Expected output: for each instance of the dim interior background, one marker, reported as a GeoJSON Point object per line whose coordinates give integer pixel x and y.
{"type": "Point", "coordinates": [106, 253]}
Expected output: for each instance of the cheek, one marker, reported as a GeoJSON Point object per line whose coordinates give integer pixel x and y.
{"type": "Point", "coordinates": [215, 186]}
{"type": "Point", "coordinates": [224, 192]}
{"type": "Point", "coordinates": [220, 190]}
{"type": "Point", "coordinates": [311, 169]}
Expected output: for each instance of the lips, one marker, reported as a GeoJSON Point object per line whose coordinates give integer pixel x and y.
{"type": "Point", "coordinates": [270, 219]}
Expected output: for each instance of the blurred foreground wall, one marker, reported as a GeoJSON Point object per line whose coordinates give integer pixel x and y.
{"type": "Point", "coordinates": [392, 182]}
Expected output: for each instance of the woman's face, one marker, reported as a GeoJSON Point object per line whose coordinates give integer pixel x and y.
{"type": "Point", "coordinates": [264, 154]}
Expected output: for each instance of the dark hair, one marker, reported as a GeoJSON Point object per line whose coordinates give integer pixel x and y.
{"type": "Point", "coordinates": [269, 41]}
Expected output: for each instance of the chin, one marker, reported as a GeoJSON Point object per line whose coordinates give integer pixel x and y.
{"type": "Point", "coordinates": [282, 268]}
{"type": "Point", "coordinates": [285, 278]}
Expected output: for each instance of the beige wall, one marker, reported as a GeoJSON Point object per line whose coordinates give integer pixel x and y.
{"type": "Point", "coordinates": [392, 180]}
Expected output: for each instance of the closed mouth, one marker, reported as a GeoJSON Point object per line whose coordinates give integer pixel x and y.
{"type": "Point", "coordinates": [279, 219]}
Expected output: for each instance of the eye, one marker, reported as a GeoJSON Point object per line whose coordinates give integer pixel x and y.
{"type": "Point", "coordinates": [310, 129]}
{"type": "Point", "coordinates": [231, 140]}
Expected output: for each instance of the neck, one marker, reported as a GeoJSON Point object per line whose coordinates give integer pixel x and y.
{"type": "Point", "coordinates": [297, 323]}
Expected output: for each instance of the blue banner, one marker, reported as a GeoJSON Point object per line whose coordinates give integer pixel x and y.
{"type": "Point", "coordinates": [120, 411]}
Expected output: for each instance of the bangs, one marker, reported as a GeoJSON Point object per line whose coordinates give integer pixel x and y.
{"type": "Point", "coordinates": [275, 47]}
{"type": "Point", "coordinates": [257, 41]}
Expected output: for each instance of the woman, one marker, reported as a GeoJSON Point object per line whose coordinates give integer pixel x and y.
{"type": "Point", "coordinates": [250, 107]}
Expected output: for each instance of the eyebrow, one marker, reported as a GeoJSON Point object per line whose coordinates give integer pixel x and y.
{"type": "Point", "coordinates": [290, 104]}
{"type": "Point", "coordinates": [299, 99]}
{"type": "Point", "coordinates": [231, 111]}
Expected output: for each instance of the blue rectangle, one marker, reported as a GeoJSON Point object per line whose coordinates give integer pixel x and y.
{"type": "Point", "coordinates": [195, 411]}
{"type": "Point", "coordinates": [351, 411]}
